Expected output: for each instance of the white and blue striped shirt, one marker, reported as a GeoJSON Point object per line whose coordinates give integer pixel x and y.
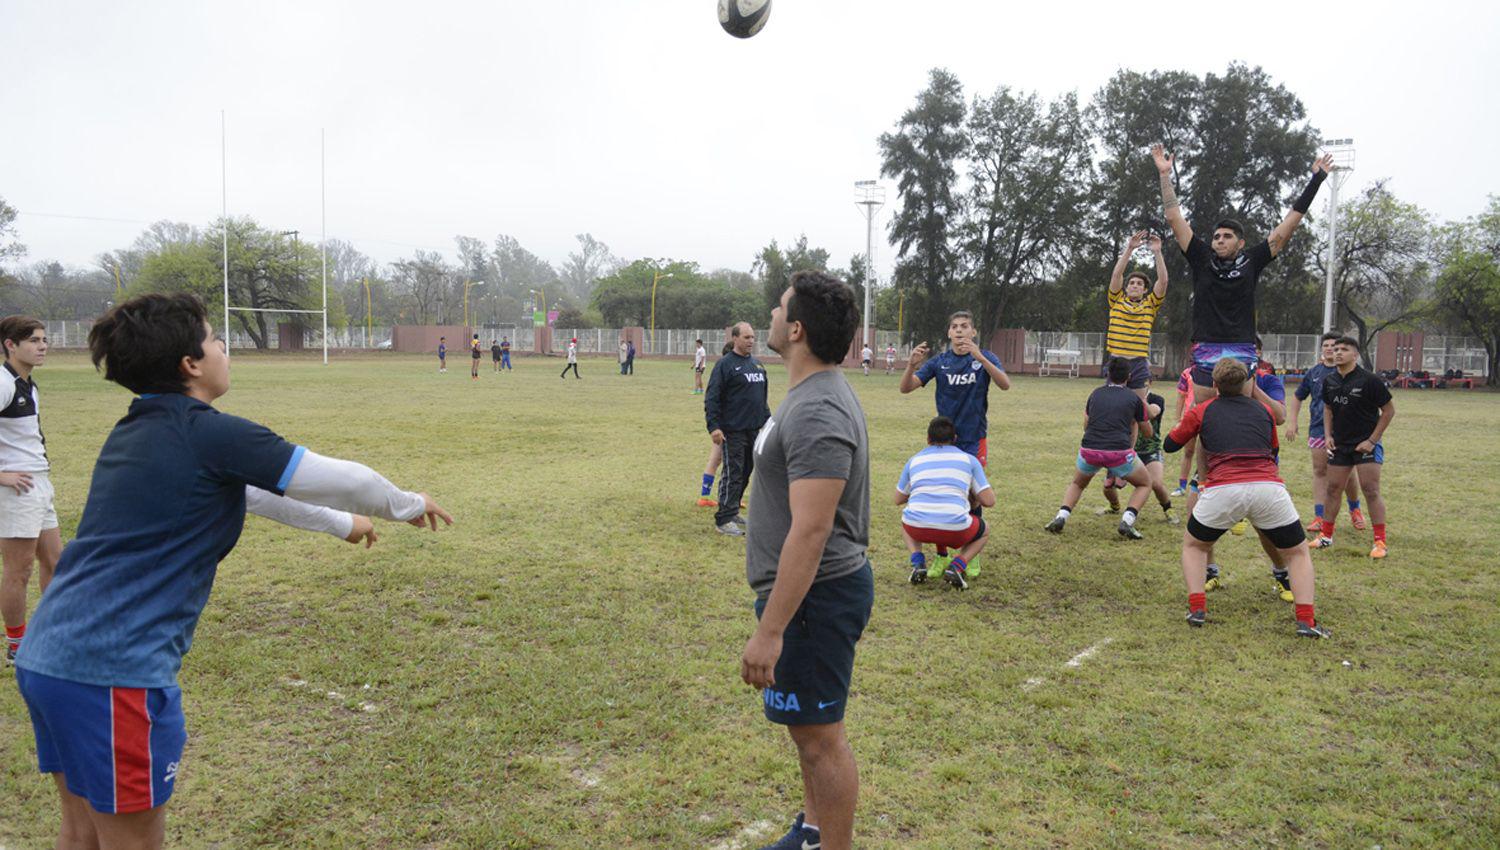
{"type": "Point", "coordinates": [939, 481]}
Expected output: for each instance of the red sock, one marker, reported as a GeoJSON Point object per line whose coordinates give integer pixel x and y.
{"type": "Point", "coordinates": [1197, 601]}
{"type": "Point", "coordinates": [1380, 531]}
{"type": "Point", "coordinates": [13, 634]}
{"type": "Point", "coordinates": [1305, 614]}
{"type": "Point", "coordinates": [1327, 528]}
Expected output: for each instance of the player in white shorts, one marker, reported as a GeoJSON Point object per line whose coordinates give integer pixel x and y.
{"type": "Point", "coordinates": [28, 520]}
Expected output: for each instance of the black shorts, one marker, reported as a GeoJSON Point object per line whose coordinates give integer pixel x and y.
{"type": "Point", "coordinates": [817, 651]}
{"type": "Point", "coordinates": [1154, 457]}
{"type": "Point", "coordinates": [1352, 457]}
{"type": "Point", "coordinates": [475, 355]}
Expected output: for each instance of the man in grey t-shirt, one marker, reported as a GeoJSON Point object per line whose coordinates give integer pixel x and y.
{"type": "Point", "coordinates": [805, 557]}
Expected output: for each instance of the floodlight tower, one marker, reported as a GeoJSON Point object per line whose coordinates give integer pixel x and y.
{"type": "Point", "coordinates": [870, 195]}
{"type": "Point", "coordinates": [1343, 161]}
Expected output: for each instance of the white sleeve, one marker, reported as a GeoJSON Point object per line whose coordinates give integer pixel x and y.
{"type": "Point", "coordinates": [349, 486]}
{"type": "Point", "coordinates": [298, 514]}
{"type": "Point", "coordinates": [7, 390]}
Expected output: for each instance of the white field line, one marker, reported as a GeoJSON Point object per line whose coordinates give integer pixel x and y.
{"type": "Point", "coordinates": [1076, 661]}
{"type": "Point", "coordinates": [741, 841]}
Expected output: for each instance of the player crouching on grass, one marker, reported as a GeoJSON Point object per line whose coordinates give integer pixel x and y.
{"type": "Point", "coordinates": [1238, 443]}
{"type": "Point", "coordinates": [167, 502]}
{"type": "Point", "coordinates": [1112, 418]}
{"type": "Point", "coordinates": [938, 486]}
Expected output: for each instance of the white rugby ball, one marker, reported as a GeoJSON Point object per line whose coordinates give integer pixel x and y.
{"type": "Point", "coordinates": [743, 18]}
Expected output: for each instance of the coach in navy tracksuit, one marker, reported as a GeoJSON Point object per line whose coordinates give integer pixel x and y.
{"type": "Point", "coordinates": [734, 407]}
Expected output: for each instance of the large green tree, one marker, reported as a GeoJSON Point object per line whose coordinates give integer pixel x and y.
{"type": "Point", "coordinates": [923, 155]}
{"type": "Point", "coordinates": [1468, 284]}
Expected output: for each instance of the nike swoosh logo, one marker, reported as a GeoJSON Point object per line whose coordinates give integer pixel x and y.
{"type": "Point", "coordinates": [806, 846]}
{"type": "Point", "coordinates": [823, 705]}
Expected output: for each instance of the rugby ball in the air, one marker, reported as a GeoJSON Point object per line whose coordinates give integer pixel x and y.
{"type": "Point", "coordinates": [743, 18]}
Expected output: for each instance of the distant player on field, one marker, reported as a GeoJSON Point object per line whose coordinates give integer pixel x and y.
{"type": "Point", "coordinates": [700, 362]}
{"type": "Point", "coordinates": [865, 357]}
{"type": "Point", "coordinates": [1238, 444]}
{"type": "Point", "coordinates": [1112, 418]}
{"type": "Point", "coordinates": [442, 354]}
{"type": "Point", "coordinates": [1311, 389]}
{"type": "Point", "coordinates": [28, 520]}
{"type": "Point", "coordinates": [1357, 408]}
{"type": "Point", "coordinates": [475, 352]}
{"type": "Point", "coordinates": [1133, 303]}
{"type": "Point", "coordinates": [505, 353]}
{"type": "Point", "coordinates": [572, 360]}
{"type": "Point", "coordinates": [495, 353]}
{"type": "Point", "coordinates": [167, 502]}
{"type": "Point", "coordinates": [937, 487]}
{"type": "Point", "coordinates": [734, 409]}
{"type": "Point", "coordinates": [890, 359]}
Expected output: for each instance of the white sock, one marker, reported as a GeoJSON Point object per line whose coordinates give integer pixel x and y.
{"type": "Point", "coordinates": [1129, 518]}
{"type": "Point", "coordinates": [1063, 513]}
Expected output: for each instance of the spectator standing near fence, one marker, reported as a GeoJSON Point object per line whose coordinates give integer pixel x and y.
{"type": "Point", "coordinates": [629, 357]}
{"type": "Point", "coordinates": [572, 360]}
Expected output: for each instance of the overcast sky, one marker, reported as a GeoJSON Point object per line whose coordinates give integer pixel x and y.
{"type": "Point", "coordinates": [642, 122]}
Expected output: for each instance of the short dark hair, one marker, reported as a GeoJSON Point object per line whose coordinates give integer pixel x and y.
{"type": "Point", "coordinates": [1333, 335]}
{"type": "Point", "coordinates": [1119, 370]}
{"type": "Point", "coordinates": [1146, 281]}
{"type": "Point", "coordinates": [1231, 224]}
{"type": "Point", "coordinates": [825, 307]}
{"type": "Point", "coordinates": [142, 341]}
{"type": "Point", "coordinates": [18, 329]}
{"type": "Point", "coordinates": [1258, 342]}
{"type": "Point", "coordinates": [1349, 341]}
{"type": "Point", "coordinates": [960, 314]}
{"type": "Point", "coordinates": [700, 342]}
{"type": "Point", "coordinates": [941, 432]}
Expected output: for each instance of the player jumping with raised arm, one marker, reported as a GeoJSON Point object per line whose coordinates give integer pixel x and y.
{"type": "Point", "coordinates": [1133, 302]}
{"type": "Point", "coordinates": [166, 504]}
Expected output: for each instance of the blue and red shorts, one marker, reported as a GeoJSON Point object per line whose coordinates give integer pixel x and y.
{"type": "Point", "coordinates": [118, 748]}
{"type": "Point", "coordinates": [1207, 354]}
{"type": "Point", "coordinates": [979, 449]}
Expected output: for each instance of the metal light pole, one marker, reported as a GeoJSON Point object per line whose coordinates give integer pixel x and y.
{"type": "Point", "coordinates": [870, 195]}
{"type": "Point", "coordinates": [369, 312]}
{"type": "Point", "coordinates": [655, 279]}
{"type": "Point", "coordinates": [1343, 161]}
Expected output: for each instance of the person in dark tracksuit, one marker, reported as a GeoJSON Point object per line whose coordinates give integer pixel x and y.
{"type": "Point", "coordinates": [734, 406]}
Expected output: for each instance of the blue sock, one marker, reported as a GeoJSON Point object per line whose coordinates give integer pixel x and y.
{"type": "Point", "coordinates": [918, 559]}
{"type": "Point", "coordinates": [1353, 504]}
{"type": "Point", "coordinates": [1182, 483]}
{"type": "Point", "coordinates": [960, 563]}
{"type": "Point", "coordinates": [1318, 510]}
{"type": "Point", "coordinates": [708, 485]}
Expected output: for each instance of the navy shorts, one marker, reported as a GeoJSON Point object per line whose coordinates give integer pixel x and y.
{"type": "Point", "coordinates": [1140, 371]}
{"type": "Point", "coordinates": [118, 748]}
{"type": "Point", "coordinates": [817, 651]}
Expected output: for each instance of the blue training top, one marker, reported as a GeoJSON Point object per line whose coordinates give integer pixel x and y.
{"type": "Point", "coordinates": [939, 481]}
{"type": "Point", "coordinates": [166, 504]}
{"type": "Point", "coordinates": [1311, 386]}
{"type": "Point", "coordinates": [962, 394]}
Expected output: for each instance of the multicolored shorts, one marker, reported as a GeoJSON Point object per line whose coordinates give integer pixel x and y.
{"type": "Point", "coordinates": [1207, 354]}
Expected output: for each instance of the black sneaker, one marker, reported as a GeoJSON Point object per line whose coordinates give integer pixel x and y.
{"type": "Point", "coordinates": [1128, 531]}
{"type": "Point", "coordinates": [1211, 578]}
{"type": "Point", "coordinates": [955, 576]}
{"type": "Point", "coordinates": [1309, 630]}
{"type": "Point", "coordinates": [1056, 525]}
{"type": "Point", "coordinates": [795, 838]}
{"type": "Point", "coordinates": [1196, 619]}
{"type": "Point", "coordinates": [10, 655]}
{"type": "Point", "coordinates": [918, 573]}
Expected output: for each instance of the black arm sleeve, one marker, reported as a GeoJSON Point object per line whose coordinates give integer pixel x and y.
{"type": "Point", "coordinates": [1304, 201]}
{"type": "Point", "coordinates": [1170, 445]}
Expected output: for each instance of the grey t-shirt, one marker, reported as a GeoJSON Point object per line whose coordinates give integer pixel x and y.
{"type": "Point", "coordinates": [817, 432]}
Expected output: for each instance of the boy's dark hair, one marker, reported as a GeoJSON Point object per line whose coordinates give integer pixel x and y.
{"type": "Point", "coordinates": [1145, 281]}
{"type": "Point", "coordinates": [825, 307]}
{"type": "Point", "coordinates": [1333, 335]}
{"type": "Point", "coordinates": [1349, 341]}
{"type": "Point", "coordinates": [940, 431]}
{"type": "Point", "coordinates": [700, 342]}
{"type": "Point", "coordinates": [441, 338]}
{"type": "Point", "coordinates": [141, 342]}
{"type": "Point", "coordinates": [17, 329]}
{"type": "Point", "coordinates": [1231, 224]}
{"type": "Point", "coordinates": [1258, 343]}
{"type": "Point", "coordinates": [1119, 370]}
{"type": "Point", "coordinates": [960, 314]}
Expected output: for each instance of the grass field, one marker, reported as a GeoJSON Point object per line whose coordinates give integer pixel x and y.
{"type": "Point", "coordinates": [560, 668]}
